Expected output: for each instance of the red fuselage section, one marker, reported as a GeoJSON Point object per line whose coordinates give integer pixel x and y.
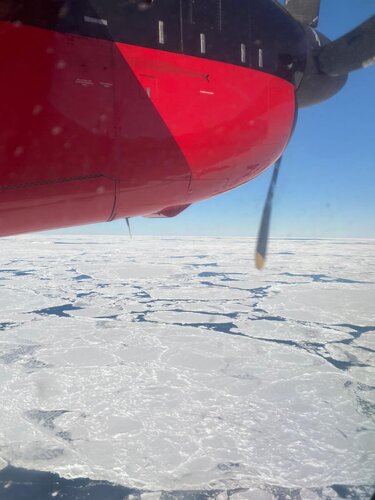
{"type": "Point", "coordinates": [92, 129]}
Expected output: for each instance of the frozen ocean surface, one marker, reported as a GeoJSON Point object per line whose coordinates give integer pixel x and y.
{"type": "Point", "coordinates": [170, 368]}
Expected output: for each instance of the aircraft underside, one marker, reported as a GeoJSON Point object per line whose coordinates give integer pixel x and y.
{"type": "Point", "coordinates": [96, 130]}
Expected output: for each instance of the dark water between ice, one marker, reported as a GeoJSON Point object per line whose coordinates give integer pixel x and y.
{"type": "Point", "coordinates": [23, 484]}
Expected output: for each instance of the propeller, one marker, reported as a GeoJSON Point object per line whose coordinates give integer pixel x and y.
{"type": "Point", "coordinates": [327, 67]}
{"type": "Point", "coordinates": [352, 51]}
{"type": "Point", "coordinates": [262, 241]}
{"type": "Point", "coordinates": [328, 63]}
{"type": "Point", "coordinates": [129, 228]}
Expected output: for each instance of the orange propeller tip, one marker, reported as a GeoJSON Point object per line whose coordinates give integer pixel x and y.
{"type": "Point", "coordinates": [260, 261]}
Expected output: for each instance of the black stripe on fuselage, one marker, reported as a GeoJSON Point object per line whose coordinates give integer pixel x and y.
{"type": "Point", "coordinates": [258, 34]}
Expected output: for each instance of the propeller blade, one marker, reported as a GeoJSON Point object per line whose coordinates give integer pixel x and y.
{"type": "Point", "coordinates": [261, 249]}
{"type": "Point", "coordinates": [129, 228]}
{"type": "Point", "coordinates": [352, 51]}
{"type": "Point", "coordinates": [305, 11]}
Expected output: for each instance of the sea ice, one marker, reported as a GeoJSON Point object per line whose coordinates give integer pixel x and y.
{"type": "Point", "coordinates": [172, 364]}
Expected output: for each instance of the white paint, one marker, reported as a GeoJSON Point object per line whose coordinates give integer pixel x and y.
{"type": "Point", "coordinates": [260, 58]}
{"type": "Point", "coordinates": [161, 32]}
{"type": "Point", "coordinates": [95, 20]}
{"type": "Point", "coordinates": [243, 52]}
{"type": "Point", "coordinates": [316, 36]}
{"type": "Point", "coordinates": [202, 38]}
{"type": "Point", "coordinates": [106, 85]}
{"type": "Point", "coordinates": [84, 82]}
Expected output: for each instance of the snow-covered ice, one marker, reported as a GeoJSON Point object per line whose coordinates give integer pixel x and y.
{"type": "Point", "coordinates": [171, 364]}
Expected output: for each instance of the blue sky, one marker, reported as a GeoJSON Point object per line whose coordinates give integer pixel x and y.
{"type": "Point", "coordinates": [326, 185]}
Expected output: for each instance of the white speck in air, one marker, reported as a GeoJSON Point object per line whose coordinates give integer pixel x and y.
{"type": "Point", "coordinates": [56, 130]}
{"type": "Point", "coordinates": [63, 12]}
{"type": "Point", "coordinates": [145, 5]}
{"type": "Point", "coordinates": [18, 151]}
{"type": "Point", "coordinates": [100, 190]}
{"type": "Point", "coordinates": [37, 109]}
{"type": "Point", "coordinates": [8, 484]}
{"type": "Point", "coordinates": [61, 64]}
{"type": "Point", "coordinates": [49, 50]}
{"type": "Point", "coordinates": [54, 494]}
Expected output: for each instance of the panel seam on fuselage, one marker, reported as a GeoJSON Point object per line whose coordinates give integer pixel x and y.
{"type": "Point", "coordinates": [50, 181]}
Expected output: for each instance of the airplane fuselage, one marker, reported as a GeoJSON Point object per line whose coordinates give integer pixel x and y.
{"type": "Point", "coordinates": [115, 108]}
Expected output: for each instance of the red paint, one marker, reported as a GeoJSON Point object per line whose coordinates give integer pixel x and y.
{"type": "Point", "coordinates": [91, 130]}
